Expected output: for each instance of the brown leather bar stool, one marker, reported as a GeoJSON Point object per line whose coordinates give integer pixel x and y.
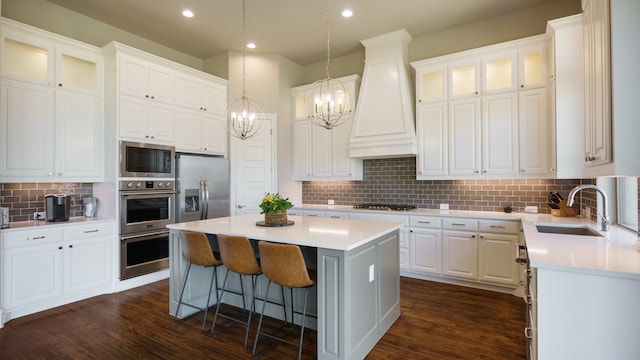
{"type": "Point", "coordinates": [238, 256]}
{"type": "Point", "coordinates": [197, 250]}
{"type": "Point", "coordinates": [284, 265]}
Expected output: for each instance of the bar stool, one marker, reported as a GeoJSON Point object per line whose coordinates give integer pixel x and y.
{"type": "Point", "coordinates": [284, 265]}
{"type": "Point", "coordinates": [197, 250]}
{"type": "Point", "coordinates": [238, 256]}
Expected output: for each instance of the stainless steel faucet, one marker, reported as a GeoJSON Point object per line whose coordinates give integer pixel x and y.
{"type": "Point", "coordinates": [603, 216]}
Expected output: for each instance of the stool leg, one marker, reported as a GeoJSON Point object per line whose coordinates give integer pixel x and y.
{"type": "Point", "coordinates": [304, 316]}
{"type": "Point", "coordinates": [252, 308]}
{"type": "Point", "coordinates": [184, 285]}
{"type": "Point", "coordinates": [224, 286]}
{"type": "Point", "coordinates": [206, 310]}
{"type": "Point", "coordinates": [264, 304]}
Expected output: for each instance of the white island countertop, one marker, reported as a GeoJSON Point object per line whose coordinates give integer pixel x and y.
{"type": "Point", "coordinates": [335, 234]}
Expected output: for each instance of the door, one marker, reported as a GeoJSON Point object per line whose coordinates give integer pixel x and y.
{"type": "Point", "coordinates": [252, 168]}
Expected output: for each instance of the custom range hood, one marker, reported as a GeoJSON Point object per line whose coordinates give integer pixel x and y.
{"type": "Point", "coordinates": [384, 125]}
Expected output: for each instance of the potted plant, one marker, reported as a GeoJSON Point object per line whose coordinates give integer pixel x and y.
{"type": "Point", "coordinates": [274, 207]}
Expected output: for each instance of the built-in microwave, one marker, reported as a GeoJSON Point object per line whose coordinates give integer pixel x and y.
{"type": "Point", "coordinates": [147, 160]}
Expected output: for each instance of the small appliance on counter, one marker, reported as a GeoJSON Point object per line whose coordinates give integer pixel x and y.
{"type": "Point", "coordinates": [57, 207]}
{"type": "Point", "coordinates": [90, 206]}
{"type": "Point", "coordinates": [4, 217]}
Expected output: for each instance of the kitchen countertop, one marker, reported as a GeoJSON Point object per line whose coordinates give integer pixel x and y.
{"type": "Point", "coordinates": [34, 224]}
{"type": "Point", "coordinates": [614, 254]}
{"type": "Point", "coordinates": [306, 231]}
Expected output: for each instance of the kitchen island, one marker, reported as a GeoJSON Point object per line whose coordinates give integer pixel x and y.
{"type": "Point", "coordinates": [358, 281]}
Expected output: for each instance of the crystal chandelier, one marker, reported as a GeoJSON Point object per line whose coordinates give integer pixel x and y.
{"type": "Point", "coordinates": [325, 101]}
{"type": "Point", "coordinates": [245, 117]}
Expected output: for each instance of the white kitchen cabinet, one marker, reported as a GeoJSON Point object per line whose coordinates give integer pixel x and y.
{"type": "Point", "coordinates": [143, 79]}
{"type": "Point", "coordinates": [433, 84]}
{"type": "Point", "coordinates": [482, 112]}
{"type": "Point", "coordinates": [566, 97]}
{"type": "Point", "coordinates": [464, 78]}
{"type": "Point", "coordinates": [499, 134]}
{"type": "Point", "coordinates": [146, 120]}
{"type": "Point", "coordinates": [496, 252]}
{"type": "Point", "coordinates": [460, 248]}
{"type": "Point", "coordinates": [146, 98]}
{"type": "Point", "coordinates": [432, 128]}
{"type": "Point", "coordinates": [52, 107]}
{"type": "Point", "coordinates": [535, 134]}
{"type": "Point", "coordinates": [425, 245]}
{"type": "Point", "coordinates": [200, 122]}
{"type": "Point", "coordinates": [597, 70]}
{"type": "Point", "coordinates": [50, 267]}
{"type": "Point", "coordinates": [532, 67]}
{"type": "Point", "coordinates": [464, 137]}
{"type": "Point", "coordinates": [321, 154]}
{"type": "Point", "coordinates": [499, 72]}
{"type": "Point", "coordinates": [611, 123]}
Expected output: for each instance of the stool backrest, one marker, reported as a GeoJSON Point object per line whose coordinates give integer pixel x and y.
{"type": "Point", "coordinates": [196, 248]}
{"type": "Point", "coordinates": [284, 264]}
{"type": "Point", "coordinates": [237, 254]}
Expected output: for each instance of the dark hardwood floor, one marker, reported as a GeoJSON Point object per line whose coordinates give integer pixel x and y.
{"type": "Point", "coordinates": [438, 321]}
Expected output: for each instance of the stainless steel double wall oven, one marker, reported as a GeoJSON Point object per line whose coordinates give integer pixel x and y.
{"type": "Point", "coordinates": [147, 205]}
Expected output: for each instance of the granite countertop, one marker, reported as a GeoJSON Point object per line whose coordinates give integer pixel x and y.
{"type": "Point", "coordinates": [614, 254]}
{"type": "Point", "coordinates": [323, 233]}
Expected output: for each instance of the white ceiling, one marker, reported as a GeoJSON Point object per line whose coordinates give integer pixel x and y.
{"type": "Point", "coordinates": [295, 29]}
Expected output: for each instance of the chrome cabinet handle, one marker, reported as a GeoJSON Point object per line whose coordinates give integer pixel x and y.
{"type": "Point", "coordinates": [497, 227]}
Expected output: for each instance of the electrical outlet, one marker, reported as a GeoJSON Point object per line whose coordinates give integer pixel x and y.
{"type": "Point", "coordinates": [444, 206]}
{"type": "Point", "coordinates": [371, 273]}
{"type": "Point", "coordinates": [531, 209]}
{"type": "Point", "coordinates": [330, 202]}
{"type": "Point", "coordinates": [38, 215]}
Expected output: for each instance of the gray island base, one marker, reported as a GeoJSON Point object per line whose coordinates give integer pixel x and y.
{"type": "Point", "coordinates": [358, 284]}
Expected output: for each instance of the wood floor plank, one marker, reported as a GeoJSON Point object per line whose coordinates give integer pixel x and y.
{"type": "Point", "coordinates": [438, 321]}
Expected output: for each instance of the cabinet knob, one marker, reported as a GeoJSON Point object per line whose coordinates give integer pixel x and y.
{"type": "Point", "coordinates": [475, 171]}
{"type": "Point", "coordinates": [521, 86]}
{"type": "Point", "coordinates": [50, 82]}
{"type": "Point", "coordinates": [205, 109]}
{"type": "Point", "coordinates": [60, 84]}
{"type": "Point", "coordinates": [522, 170]}
{"type": "Point", "coordinates": [153, 97]}
{"type": "Point", "coordinates": [70, 246]}
{"type": "Point", "coordinates": [153, 137]}
{"type": "Point", "coordinates": [147, 96]}
{"type": "Point", "coordinates": [59, 247]}
{"type": "Point", "coordinates": [484, 171]}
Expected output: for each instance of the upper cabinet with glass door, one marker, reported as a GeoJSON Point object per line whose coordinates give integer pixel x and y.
{"type": "Point", "coordinates": [464, 78]}
{"type": "Point", "coordinates": [35, 58]}
{"type": "Point", "coordinates": [432, 84]}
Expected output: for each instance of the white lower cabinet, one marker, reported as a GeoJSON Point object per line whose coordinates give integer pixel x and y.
{"type": "Point", "coordinates": [425, 245]}
{"type": "Point", "coordinates": [460, 254]}
{"type": "Point", "coordinates": [45, 268]}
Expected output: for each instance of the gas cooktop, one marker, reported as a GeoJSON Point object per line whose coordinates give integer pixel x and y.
{"type": "Point", "coordinates": [378, 206]}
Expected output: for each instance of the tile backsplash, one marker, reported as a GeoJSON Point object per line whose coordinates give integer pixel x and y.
{"type": "Point", "coordinates": [23, 199]}
{"type": "Point", "coordinates": [393, 181]}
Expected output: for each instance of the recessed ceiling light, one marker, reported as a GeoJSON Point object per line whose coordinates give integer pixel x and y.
{"type": "Point", "coordinates": [347, 13]}
{"type": "Point", "coordinates": [187, 13]}
{"type": "Point", "coordinates": [251, 45]}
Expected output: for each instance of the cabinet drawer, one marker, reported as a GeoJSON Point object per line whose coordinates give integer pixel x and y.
{"type": "Point", "coordinates": [460, 224]}
{"type": "Point", "coordinates": [88, 231]}
{"type": "Point", "coordinates": [499, 226]}
{"type": "Point", "coordinates": [425, 222]}
{"type": "Point", "coordinates": [336, 215]}
{"type": "Point", "coordinates": [32, 237]}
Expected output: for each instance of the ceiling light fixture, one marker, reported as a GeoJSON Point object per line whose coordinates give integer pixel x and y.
{"type": "Point", "coordinates": [347, 13]}
{"type": "Point", "coordinates": [325, 99]}
{"type": "Point", "coordinates": [187, 13]}
{"type": "Point", "coordinates": [245, 116]}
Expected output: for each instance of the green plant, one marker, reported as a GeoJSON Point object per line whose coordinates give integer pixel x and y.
{"type": "Point", "coordinates": [273, 203]}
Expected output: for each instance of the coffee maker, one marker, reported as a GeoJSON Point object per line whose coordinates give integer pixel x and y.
{"type": "Point", "coordinates": [57, 207]}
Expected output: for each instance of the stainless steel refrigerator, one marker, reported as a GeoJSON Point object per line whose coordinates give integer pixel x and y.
{"type": "Point", "coordinates": [202, 183]}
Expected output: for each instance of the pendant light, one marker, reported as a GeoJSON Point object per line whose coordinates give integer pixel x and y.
{"type": "Point", "coordinates": [325, 101]}
{"type": "Point", "coordinates": [245, 118]}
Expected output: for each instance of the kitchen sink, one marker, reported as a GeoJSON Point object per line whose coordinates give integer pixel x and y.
{"type": "Point", "coordinates": [567, 230]}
